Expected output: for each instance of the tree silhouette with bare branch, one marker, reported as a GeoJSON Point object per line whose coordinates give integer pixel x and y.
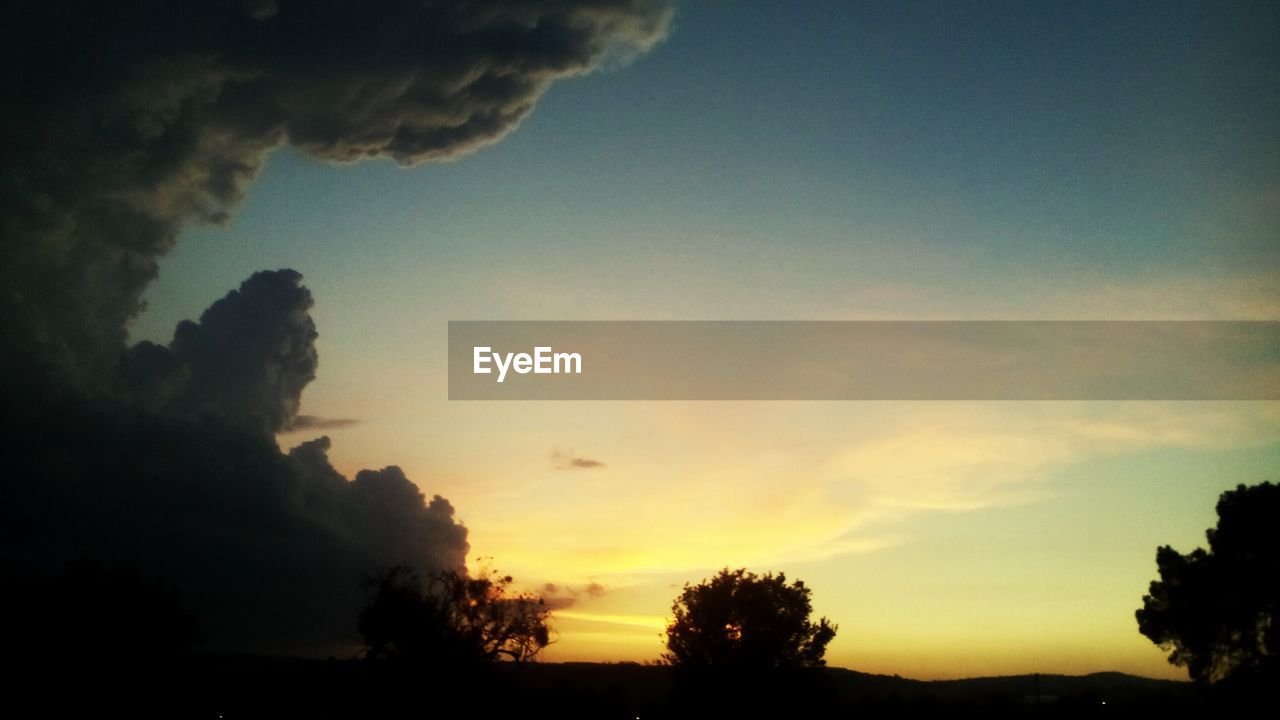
{"type": "Point", "coordinates": [450, 616]}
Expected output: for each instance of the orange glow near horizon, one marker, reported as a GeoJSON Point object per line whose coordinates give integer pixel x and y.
{"type": "Point", "coordinates": [945, 540]}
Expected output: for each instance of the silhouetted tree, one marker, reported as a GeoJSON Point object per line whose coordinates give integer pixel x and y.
{"type": "Point", "coordinates": [451, 617]}
{"type": "Point", "coordinates": [740, 620]}
{"type": "Point", "coordinates": [1216, 610]}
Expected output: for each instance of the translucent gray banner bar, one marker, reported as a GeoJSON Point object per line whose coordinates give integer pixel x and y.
{"type": "Point", "coordinates": [864, 360]}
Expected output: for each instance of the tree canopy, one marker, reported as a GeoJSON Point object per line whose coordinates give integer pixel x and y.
{"type": "Point", "coordinates": [451, 617]}
{"type": "Point", "coordinates": [739, 619]}
{"type": "Point", "coordinates": [1215, 610]}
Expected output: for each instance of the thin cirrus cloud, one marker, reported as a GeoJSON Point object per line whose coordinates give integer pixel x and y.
{"type": "Point", "coordinates": [751, 492]}
{"type": "Point", "coordinates": [828, 493]}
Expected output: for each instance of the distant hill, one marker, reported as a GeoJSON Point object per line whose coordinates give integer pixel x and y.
{"type": "Point", "coordinates": [238, 686]}
{"type": "Point", "coordinates": [647, 686]}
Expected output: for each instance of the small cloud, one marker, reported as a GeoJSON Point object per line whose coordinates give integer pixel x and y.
{"type": "Point", "coordinates": [315, 422]}
{"type": "Point", "coordinates": [568, 461]}
{"type": "Point", "coordinates": [585, 463]}
{"type": "Point", "coordinates": [561, 597]}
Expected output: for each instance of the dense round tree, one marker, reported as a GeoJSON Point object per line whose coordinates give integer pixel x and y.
{"type": "Point", "coordinates": [740, 620]}
{"type": "Point", "coordinates": [1216, 610]}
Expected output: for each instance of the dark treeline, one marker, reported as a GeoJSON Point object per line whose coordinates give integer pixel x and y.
{"type": "Point", "coordinates": [100, 639]}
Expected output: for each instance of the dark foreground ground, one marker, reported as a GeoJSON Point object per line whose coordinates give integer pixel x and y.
{"type": "Point", "coordinates": [253, 687]}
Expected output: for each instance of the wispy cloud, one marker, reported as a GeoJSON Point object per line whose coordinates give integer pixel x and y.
{"type": "Point", "coordinates": [648, 622]}
{"type": "Point", "coordinates": [773, 484]}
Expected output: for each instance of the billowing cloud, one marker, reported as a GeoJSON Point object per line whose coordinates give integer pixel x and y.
{"type": "Point", "coordinates": [176, 470]}
{"type": "Point", "coordinates": [122, 123]}
{"type": "Point", "coordinates": [248, 358]}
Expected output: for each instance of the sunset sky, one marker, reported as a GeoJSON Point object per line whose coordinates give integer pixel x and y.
{"type": "Point", "coordinates": [807, 161]}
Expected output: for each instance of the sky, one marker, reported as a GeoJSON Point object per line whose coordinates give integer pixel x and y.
{"type": "Point", "coordinates": [808, 161]}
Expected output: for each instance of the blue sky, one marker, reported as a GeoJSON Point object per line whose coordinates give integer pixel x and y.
{"type": "Point", "coordinates": [816, 161]}
{"type": "Point", "coordinates": [969, 146]}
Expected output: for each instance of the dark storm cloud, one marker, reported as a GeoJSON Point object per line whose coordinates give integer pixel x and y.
{"type": "Point", "coordinates": [175, 469]}
{"type": "Point", "coordinates": [248, 358]}
{"type": "Point", "coordinates": [123, 121]}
